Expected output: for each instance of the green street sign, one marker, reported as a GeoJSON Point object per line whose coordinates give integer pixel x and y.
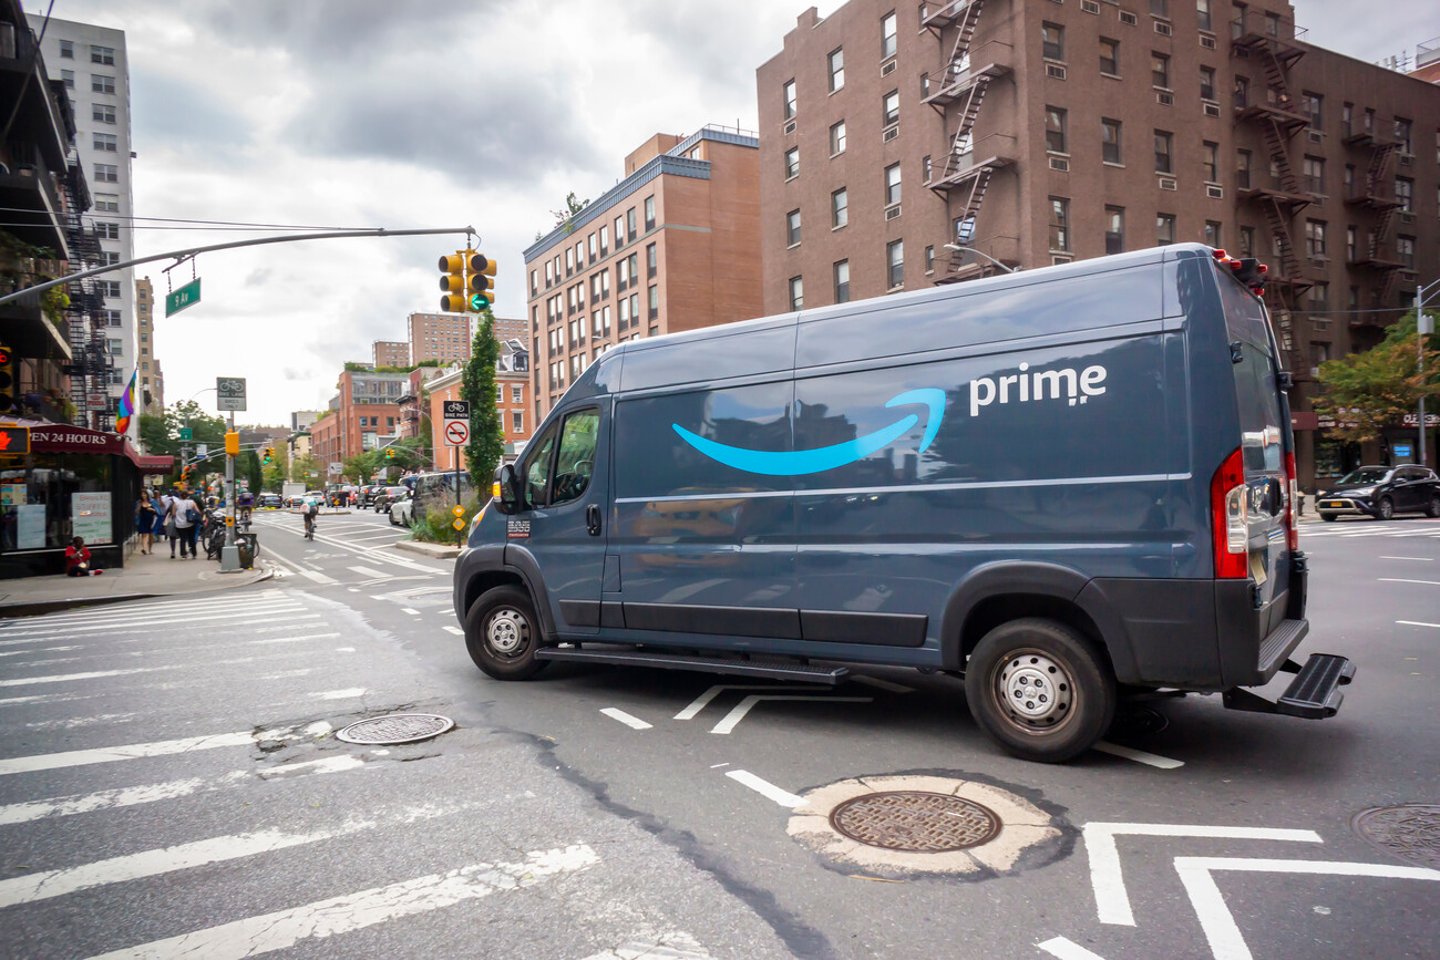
{"type": "Point", "coordinates": [186, 296]}
{"type": "Point", "coordinates": [187, 433]}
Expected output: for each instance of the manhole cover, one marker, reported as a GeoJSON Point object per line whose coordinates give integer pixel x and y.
{"type": "Point", "coordinates": [915, 821]}
{"type": "Point", "coordinates": [1410, 831]}
{"type": "Point", "coordinates": [396, 728]}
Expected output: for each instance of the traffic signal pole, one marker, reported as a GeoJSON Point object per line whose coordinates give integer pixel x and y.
{"type": "Point", "coordinates": [230, 553]}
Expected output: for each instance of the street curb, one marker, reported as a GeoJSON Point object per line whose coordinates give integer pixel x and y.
{"type": "Point", "coordinates": [437, 551]}
{"type": "Point", "coordinates": [41, 607]}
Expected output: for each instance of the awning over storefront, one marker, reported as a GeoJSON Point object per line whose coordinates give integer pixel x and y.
{"type": "Point", "coordinates": [48, 437]}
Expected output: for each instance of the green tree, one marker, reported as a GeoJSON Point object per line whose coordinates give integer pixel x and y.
{"type": "Point", "coordinates": [247, 468]}
{"type": "Point", "coordinates": [306, 470]}
{"type": "Point", "coordinates": [361, 467]}
{"type": "Point", "coordinates": [275, 472]}
{"type": "Point", "coordinates": [566, 217]}
{"type": "Point", "coordinates": [1368, 391]}
{"type": "Point", "coordinates": [155, 435]}
{"type": "Point", "coordinates": [477, 385]}
{"type": "Point", "coordinates": [207, 428]}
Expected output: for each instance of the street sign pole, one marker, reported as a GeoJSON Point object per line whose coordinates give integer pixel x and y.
{"type": "Point", "coordinates": [230, 553]}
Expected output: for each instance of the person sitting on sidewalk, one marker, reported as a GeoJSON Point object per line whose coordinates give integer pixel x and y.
{"type": "Point", "coordinates": [77, 560]}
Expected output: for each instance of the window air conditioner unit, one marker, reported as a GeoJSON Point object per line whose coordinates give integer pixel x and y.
{"type": "Point", "coordinates": [1128, 18]}
{"type": "Point", "coordinates": [1207, 42]}
{"type": "Point", "coordinates": [790, 127]}
{"type": "Point", "coordinates": [1163, 28]}
{"type": "Point", "coordinates": [1089, 6]}
{"type": "Point", "coordinates": [1060, 163]}
{"type": "Point", "coordinates": [1214, 192]}
{"type": "Point", "coordinates": [890, 133]}
{"type": "Point", "coordinates": [1315, 136]}
{"type": "Point", "coordinates": [1406, 159]}
{"type": "Point", "coordinates": [887, 68]}
{"type": "Point", "coordinates": [1168, 183]}
{"type": "Point", "coordinates": [1054, 71]}
{"type": "Point", "coordinates": [1164, 99]}
{"type": "Point", "coordinates": [892, 212]}
{"type": "Point", "coordinates": [1407, 218]}
{"type": "Point", "coordinates": [1212, 109]}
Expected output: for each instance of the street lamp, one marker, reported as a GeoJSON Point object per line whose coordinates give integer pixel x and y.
{"type": "Point", "coordinates": [982, 253]}
{"type": "Point", "coordinates": [1423, 327]}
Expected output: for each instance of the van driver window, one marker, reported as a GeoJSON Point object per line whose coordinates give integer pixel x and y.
{"type": "Point", "coordinates": [537, 470]}
{"type": "Point", "coordinates": [576, 461]}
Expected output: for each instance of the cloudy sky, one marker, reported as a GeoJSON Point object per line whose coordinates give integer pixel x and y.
{"type": "Point", "coordinates": [406, 113]}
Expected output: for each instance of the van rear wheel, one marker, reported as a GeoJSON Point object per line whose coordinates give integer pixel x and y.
{"type": "Point", "coordinates": [1040, 689]}
{"type": "Point", "coordinates": [502, 634]}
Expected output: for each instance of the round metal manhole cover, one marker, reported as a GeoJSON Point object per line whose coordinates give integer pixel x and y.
{"type": "Point", "coordinates": [915, 821]}
{"type": "Point", "coordinates": [1409, 831]}
{"type": "Point", "coordinates": [396, 728]}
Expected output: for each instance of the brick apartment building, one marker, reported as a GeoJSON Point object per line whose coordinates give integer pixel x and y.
{"type": "Point", "coordinates": [152, 377]}
{"type": "Point", "coordinates": [439, 336]}
{"type": "Point", "coordinates": [391, 353]}
{"type": "Point", "coordinates": [674, 246]}
{"type": "Point", "coordinates": [365, 409]}
{"type": "Point", "coordinates": [1036, 132]}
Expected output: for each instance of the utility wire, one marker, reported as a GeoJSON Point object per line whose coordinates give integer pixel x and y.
{"type": "Point", "coordinates": [231, 223]}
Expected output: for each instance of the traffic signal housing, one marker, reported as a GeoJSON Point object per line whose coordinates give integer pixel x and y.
{"type": "Point", "coordinates": [389, 453]}
{"type": "Point", "coordinates": [9, 382]}
{"type": "Point", "coordinates": [232, 443]}
{"type": "Point", "coordinates": [269, 456]}
{"type": "Point", "coordinates": [452, 284]}
{"type": "Point", "coordinates": [481, 282]}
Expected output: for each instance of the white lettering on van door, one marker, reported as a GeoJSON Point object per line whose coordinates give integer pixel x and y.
{"type": "Point", "coordinates": [1028, 386]}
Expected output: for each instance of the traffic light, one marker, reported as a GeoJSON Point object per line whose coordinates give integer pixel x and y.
{"type": "Point", "coordinates": [9, 383]}
{"type": "Point", "coordinates": [453, 283]}
{"type": "Point", "coordinates": [389, 453]}
{"type": "Point", "coordinates": [232, 443]}
{"type": "Point", "coordinates": [481, 283]}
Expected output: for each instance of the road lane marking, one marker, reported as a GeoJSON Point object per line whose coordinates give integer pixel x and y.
{"type": "Point", "coordinates": [1139, 756]}
{"type": "Point", "coordinates": [455, 630]}
{"type": "Point", "coordinates": [72, 723]}
{"type": "Point", "coordinates": [92, 675]}
{"type": "Point", "coordinates": [1418, 623]}
{"type": "Point", "coordinates": [355, 911]}
{"type": "Point", "coordinates": [368, 572]}
{"type": "Point", "coordinates": [635, 723]}
{"type": "Point", "coordinates": [146, 609]}
{"type": "Point", "coordinates": [1112, 901]}
{"type": "Point", "coordinates": [129, 751]}
{"type": "Point", "coordinates": [312, 636]}
{"type": "Point", "coordinates": [1065, 949]}
{"type": "Point", "coordinates": [1423, 559]}
{"type": "Point", "coordinates": [765, 788]}
{"type": "Point", "coordinates": [345, 694]}
{"type": "Point", "coordinates": [410, 610]}
{"type": "Point", "coordinates": [733, 718]}
{"type": "Point", "coordinates": [1433, 583]}
{"type": "Point", "coordinates": [47, 884]}
{"type": "Point", "coordinates": [116, 618]}
{"type": "Point", "coordinates": [1221, 931]}
{"type": "Point", "coordinates": [120, 629]}
{"type": "Point", "coordinates": [702, 701]}
{"type": "Point", "coordinates": [170, 790]}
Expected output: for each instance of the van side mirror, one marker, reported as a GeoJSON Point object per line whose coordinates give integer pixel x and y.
{"type": "Point", "coordinates": [507, 490]}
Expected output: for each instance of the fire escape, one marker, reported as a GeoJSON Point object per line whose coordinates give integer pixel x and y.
{"type": "Point", "coordinates": [91, 365]}
{"type": "Point", "coordinates": [1375, 195]}
{"type": "Point", "coordinates": [1270, 41]}
{"type": "Point", "coordinates": [960, 178]}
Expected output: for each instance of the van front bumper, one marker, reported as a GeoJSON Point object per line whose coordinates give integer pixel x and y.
{"type": "Point", "coordinates": [1357, 506]}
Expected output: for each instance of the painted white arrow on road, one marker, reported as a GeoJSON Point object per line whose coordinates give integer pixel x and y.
{"type": "Point", "coordinates": [1226, 943]}
{"type": "Point", "coordinates": [703, 701]}
{"type": "Point", "coordinates": [743, 707]}
{"type": "Point", "coordinates": [1112, 902]}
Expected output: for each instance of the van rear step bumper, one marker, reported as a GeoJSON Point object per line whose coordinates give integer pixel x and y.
{"type": "Point", "coordinates": [1314, 694]}
{"type": "Point", "coordinates": [768, 669]}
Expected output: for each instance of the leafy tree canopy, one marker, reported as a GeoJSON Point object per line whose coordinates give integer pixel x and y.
{"type": "Point", "coordinates": [1366, 392]}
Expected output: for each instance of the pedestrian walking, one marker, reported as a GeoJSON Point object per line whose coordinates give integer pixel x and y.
{"type": "Point", "coordinates": [145, 520]}
{"type": "Point", "coordinates": [185, 513]}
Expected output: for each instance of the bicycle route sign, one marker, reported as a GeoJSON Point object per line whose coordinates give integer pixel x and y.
{"type": "Point", "coordinates": [231, 393]}
{"type": "Point", "coordinates": [457, 422]}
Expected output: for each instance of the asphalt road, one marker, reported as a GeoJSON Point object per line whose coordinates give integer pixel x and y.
{"type": "Point", "coordinates": [169, 785]}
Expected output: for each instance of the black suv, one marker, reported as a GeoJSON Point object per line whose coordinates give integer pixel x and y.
{"type": "Point", "coordinates": [1382, 492]}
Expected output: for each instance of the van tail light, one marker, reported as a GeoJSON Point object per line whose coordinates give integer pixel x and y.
{"type": "Point", "coordinates": [1229, 519]}
{"type": "Point", "coordinates": [1292, 500]}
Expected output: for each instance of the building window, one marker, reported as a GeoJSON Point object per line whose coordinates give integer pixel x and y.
{"type": "Point", "coordinates": [895, 260]}
{"type": "Point", "coordinates": [1055, 129]}
{"type": "Point", "coordinates": [112, 319]}
{"type": "Point", "coordinates": [108, 258]}
{"type": "Point", "coordinates": [1247, 241]}
{"type": "Point", "coordinates": [1403, 129]}
{"type": "Point", "coordinates": [1059, 224]}
{"type": "Point", "coordinates": [930, 259]}
{"type": "Point", "coordinates": [1202, 9]}
{"type": "Point", "coordinates": [117, 347]}
{"type": "Point", "coordinates": [654, 301]}
{"type": "Point", "coordinates": [68, 78]}
{"type": "Point", "coordinates": [649, 213]}
{"type": "Point", "coordinates": [102, 112]}
{"type": "Point", "coordinates": [1242, 169]}
{"type": "Point", "coordinates": [1164, 229]}
{"type": "Point", "coordinates": [888, 34]}
{"type": "Point", "coordinates": [1110, 140]}
{"type": "Point", "coordinates": [67, 49]}
{"type": "Point", "coordinates": [1314, 104]}
{"type": "Point", "coordinates": [106, 230]}
{"type": "Point", "coordinates": [792, 228]}
{"type": "Point", "coordinates": [1315, 238]}
{"type": "Point", "coordinates": [1052, 41]}
{"type": "Point", "coordinates": [837, 69]}
{"type": "Point", "coordinates": [630, 223]}
{"type": "Point", "coordinates": [792, 163]}
{"type": "Point", "coordinates": [1352, 240]}
{"type": "Point", "coordinates": [1313, 169]}
{"type": "Point", "coordinates": [652, 261]}
{"type": "Point", "coordinates": [1160, 70]}
{"type": "Point", "coordinates": [108, 288]}
{"type": "Point", "coordinates": [1160, 8]}
{"type": "Point", "coordinates": [517, 393]}
{"type": "Point", "coordinates": [842, 281]}
{"type": "Point", "coordinates": [797, 293]}
{"type": "Point", "coordinates": [1240, 96]}
{"type": "Point", "coordinates": [105, 142]}
{"type": "Point", "coordinates": [517, 421]}
{"type": "Point", "coordinates": [604, 240]}
{"type": "Point", "coordinates": [891, 108]}
{"type": "Point", "coordinates": [1405, 251]}
{"type": "Point", "coordinates": [892, 185]}
{"type": "Point", "coordinates": [1114, 229]}
{"type": "Point", "coordinates": [1212, 233]}
{"type": "Point", "coordinates": [1163, 142]}
{"type": "Point", "coordinates": [839, 208]}
{"type": "Point", "coordinates": [107, 173]}
{"type": "Point", "coordinates": [1318, 297]}
{"type": "Point", "coordinates": [593, 246]}
{"type": "Point", "coordinates": [1210, 160]}
{"type": "Point", "coordinates": [99, 83]}
{"type": "Point", "coordinates": [1405, 193]}
{"type": "Point", "coordinates": [1109, 57]}
{"type": "Point", "coordinates": [926, 171]}
{"type": "Point", "coordinates": [924, 85]}
{"type": "Point", "coordinates": [102, 55]}
{"type": "Point", "coordinates": [1207, 83]}
{"type": "Point", "coordinates": [789, 91]}
{"type": "Point", "coordinates": [837, 138]}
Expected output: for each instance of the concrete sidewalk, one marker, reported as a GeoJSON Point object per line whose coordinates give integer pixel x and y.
{"type": "Point", "coordinates": [152, 575]}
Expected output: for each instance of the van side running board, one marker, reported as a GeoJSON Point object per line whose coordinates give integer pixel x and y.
{"type": "Point", "coordinates": [1314, 694]}
{"type": "Point", "coordinates": [768, 669]}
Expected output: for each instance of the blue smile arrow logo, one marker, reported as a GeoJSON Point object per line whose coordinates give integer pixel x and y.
{"type": "Point", "coordinates": [798, 462]}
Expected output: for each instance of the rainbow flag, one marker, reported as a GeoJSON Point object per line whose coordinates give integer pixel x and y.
{"type": "Point", "coordinates": [127, 405]}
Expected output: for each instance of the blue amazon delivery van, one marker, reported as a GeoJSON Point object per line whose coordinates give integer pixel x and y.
{"type": "Point", "coordinates": [1060, 485]}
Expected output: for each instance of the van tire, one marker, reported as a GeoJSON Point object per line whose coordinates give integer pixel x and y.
{"type": "Point", "coordinates": [1061, 667]}
{"type": "Point", "coordinates": [502, 634]}
{"type": "Point", "coordinates": [1386, 509]}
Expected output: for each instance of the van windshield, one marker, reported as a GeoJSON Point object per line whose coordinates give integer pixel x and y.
{"type": "Point", "coordinates": [1366, 475]}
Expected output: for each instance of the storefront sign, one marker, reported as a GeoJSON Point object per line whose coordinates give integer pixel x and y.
{"type": "Point", "coordinates": [63, 439]}
{"type": "Point", "coordinates": [90, 517]}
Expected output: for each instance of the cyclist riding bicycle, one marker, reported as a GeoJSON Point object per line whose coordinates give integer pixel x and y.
{"type": "Point", "coordinates": [311, 511]}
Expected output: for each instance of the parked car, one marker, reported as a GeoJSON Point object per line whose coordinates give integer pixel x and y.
{"type": "Point", "coordinates": [368, 493]}
{"type": "Point", "coordinates": [402, 510]}
{"type": "Point", "coordinates": [385, 496]}
{"type": "Point", "coordinates": [271, 500]}
{"type": "Point", "coordinates": [1381, 493]}
{"type": "Point", "coordinates": [1061, 484]}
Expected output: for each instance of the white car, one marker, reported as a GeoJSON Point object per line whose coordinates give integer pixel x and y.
{"type": "Point", "coordinates": [402, 512]}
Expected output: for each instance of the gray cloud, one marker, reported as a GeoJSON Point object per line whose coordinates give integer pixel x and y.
{"type": "Point", "coordinates": [171, 111]}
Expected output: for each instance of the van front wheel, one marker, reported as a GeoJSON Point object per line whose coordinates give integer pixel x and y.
{"type": "Point", "coordinates": [1040, 689]}
{"type": "Point", "coordinates": [502, 634]}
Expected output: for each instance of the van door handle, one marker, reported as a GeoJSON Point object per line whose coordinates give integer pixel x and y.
{"type": "Point", "coordinates": [592, 519]}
